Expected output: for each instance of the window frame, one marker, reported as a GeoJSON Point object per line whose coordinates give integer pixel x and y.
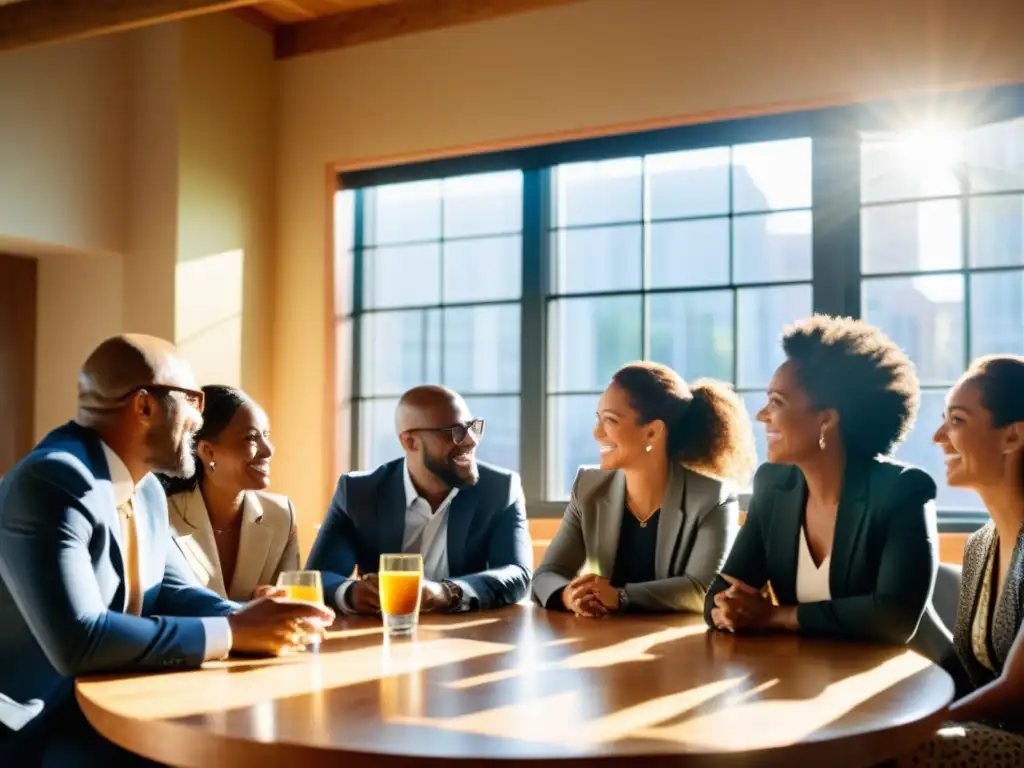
{"type": "Point", "coordinates": [835, 134]}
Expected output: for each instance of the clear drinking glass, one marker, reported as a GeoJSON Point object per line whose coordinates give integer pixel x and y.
{"type": "Point", "coordinates": [304, 585]}
{"type": "Point", "coordinates": [400, 579]}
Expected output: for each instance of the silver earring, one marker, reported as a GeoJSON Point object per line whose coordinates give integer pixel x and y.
{"type": "Point", "coordinates": [649, 448]}
{"type": "Point", "coordinates": [212, 465]}
{"type": "Point", "coordinates": [821, 440]}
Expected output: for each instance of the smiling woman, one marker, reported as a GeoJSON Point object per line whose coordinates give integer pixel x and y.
{"type": "Point", "coordinates": [234, 535]}
{"type": "Point", "coordinates": [657, 519]}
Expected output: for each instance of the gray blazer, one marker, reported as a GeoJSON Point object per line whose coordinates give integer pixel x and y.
{"type": "Point", "coordinates": [699, 522]}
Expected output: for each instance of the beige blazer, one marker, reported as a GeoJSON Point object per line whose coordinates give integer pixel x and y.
{"type": "Point", "coordinates": [267, 542]}
{"type": "Point", "coordinates": [699, 522]}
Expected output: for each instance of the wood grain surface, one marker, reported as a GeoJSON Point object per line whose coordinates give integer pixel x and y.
{"type": "Point", "coordinates": [524, 685]}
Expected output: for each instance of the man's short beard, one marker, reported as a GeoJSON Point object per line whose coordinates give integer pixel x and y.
{"type": "Point", "coordinates": [447, 474]}
{"type": "Point", "coordinates": [168, 459]}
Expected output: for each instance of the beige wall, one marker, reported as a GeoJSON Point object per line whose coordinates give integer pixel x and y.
{"type": "Point", "coordinates": [582, 68]}
{"type": "Point", "coordinates": [123, 156]}
{"type": "Point", "coordinates": [226, 198]}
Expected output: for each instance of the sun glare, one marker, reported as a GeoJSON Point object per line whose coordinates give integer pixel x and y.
{"type": "Point", "coordinates": [932, 149]}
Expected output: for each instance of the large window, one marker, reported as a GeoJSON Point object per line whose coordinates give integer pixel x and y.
{"type": "Point", "coordinates": [942, 254]}
{"type": "Point", "coordinates": [524, 279]}
{"type": "Point", "coordinates": [440, 273]}
{"type": "Point", "coordinates": [695, 259]}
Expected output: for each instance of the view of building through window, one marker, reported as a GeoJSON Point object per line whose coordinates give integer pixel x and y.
{"type": "Point", "coordinates": [695, 258]}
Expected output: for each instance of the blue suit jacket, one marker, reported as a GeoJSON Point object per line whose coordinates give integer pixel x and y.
{"type": "Point", "coordinates": [62, 589]}
{"type": "Point", "coordinates": [489, 545]}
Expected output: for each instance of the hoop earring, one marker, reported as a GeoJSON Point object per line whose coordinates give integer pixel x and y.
{"type": "Point", "coordinates": [821, 440]}
{"type": "Point", "coordinates": [212, 465]}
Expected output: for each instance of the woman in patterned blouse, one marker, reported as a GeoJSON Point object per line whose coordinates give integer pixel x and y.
{"type": "Point", "coordinates": [982, 437]}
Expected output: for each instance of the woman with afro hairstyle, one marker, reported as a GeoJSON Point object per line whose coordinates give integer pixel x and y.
{"type": "Point", "coordinates": [845, 537]}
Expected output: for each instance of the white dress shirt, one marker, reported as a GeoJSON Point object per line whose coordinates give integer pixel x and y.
{"type": "Point", "coordinates": [811, 580]}
{"type": "Point", "coordinates": [426, 533]}
{"type": "Point", "coordinates": [216, 628]}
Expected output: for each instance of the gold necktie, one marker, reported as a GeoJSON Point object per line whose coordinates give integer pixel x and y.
{"type": "Point", "coordinates": [130, 543]}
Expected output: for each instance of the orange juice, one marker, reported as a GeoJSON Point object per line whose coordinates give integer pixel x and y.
{"type": "Point", "coordinates": [304, 592]}
{"type": "Point", "coordinates": [399, 592]}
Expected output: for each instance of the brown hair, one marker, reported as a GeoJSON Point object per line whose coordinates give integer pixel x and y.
{"type": "Point", "coordinates": [1001, 381]}
{"type": "Point", "coordinates": [708, 428]}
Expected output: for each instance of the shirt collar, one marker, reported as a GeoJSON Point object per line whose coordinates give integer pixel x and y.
{"type": "Point", "coordinates": [120, 477]}
{"type": "Point", "coordinates": [411, 494]}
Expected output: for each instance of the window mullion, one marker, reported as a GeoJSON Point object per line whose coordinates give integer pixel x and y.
{"type": "Point", "coordinates": [533, 341]}
{"type": "Point", "coordinates": [835, 217]}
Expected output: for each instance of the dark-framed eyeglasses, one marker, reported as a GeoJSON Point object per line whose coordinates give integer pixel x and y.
{"type": "Point", "coordinates": [457, 432]}
{"type": "Point", "coordinates": [194, 397]}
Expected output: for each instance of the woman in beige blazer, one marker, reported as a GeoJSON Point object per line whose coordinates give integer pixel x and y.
{"type": "Point", "coordinates": [234, 534]}
{"type": "Point", "coordinates": [653, 525]}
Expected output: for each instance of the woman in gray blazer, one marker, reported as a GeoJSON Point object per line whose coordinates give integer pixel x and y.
{"type": "Point", "coordinates": [652, 526]}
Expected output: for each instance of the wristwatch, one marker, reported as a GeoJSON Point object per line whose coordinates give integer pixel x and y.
{"type": "Point", "coordinates": [623, 598]}
{"type": "Point", "coordinates": [452, 593]}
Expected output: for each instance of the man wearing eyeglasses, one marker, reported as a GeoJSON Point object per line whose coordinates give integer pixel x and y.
{"type": "Point", "coordinates": [90, 580]}
{"type": "Point", "coordinates": [467, 519]}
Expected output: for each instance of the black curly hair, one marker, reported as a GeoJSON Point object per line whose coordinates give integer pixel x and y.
{"type": "Point", "coordinates": [864, 375]}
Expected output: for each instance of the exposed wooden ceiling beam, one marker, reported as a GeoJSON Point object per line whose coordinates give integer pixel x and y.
{"type": "Point", "coordinates": [33, 22]}
{"type": "Point", "coordinates": [367, 25]}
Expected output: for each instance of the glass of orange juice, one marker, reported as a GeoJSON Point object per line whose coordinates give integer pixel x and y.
{"type": "Point", "coordinates": [399, 581]}
{"type": "Point", "coordinates": [304, 585]}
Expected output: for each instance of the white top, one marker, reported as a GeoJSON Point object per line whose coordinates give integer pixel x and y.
{"type": "Point", "coordinates": [426, 533]}
{"type": "Point", "coordinates": [216, 628]}
{"type": "Point", "coordinates": [811, 580]}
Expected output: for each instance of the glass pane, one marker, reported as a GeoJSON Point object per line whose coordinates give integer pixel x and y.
{"type": "Point", "coordinates": [692, 332]}
{"type": "Point", "coordinates": [925, 316]}
{"type": "Point", "coordinates": [911, 237]}
{"type": "Point", "coordinates": [344, 294]}
{"type": "Point", "coordinates": [343, 338]}
{"type": "Point", "coordinates": [402, 276]}
{"type": "Point", "coordinates": [997, 231]}
{"type": "Point", "coordinates": [772, 248]}
{"type": "Point", "coordinates": [500, 445]}
{"type": "Point", "coordinates": [598, 193]}
{"type": "Point", "coordinates": [483, 270]}
{"type": "Point", "coordinates": [908, 166]}
{"type": "Point", "coordinates": [377, 437]}
{"type": "Point", "coordinates": [771, 176]}
{"type": "Point", "coordinates": [692, 183]}
{"type": "Point", "coordinates": [481, 348]}
{"type": "Point", "coordinates": [344, 220]}
{"type": "Point", "coordinates": [400, 350]}
{"type": "Point", "coordinates": [593, 337]}
{"type": "Point", "coordinates": [754, 402]}
{"type": "Point", "coordinates": [484, 204]}
{"type": "Point", "coordinates": [763, 313]}
{"type": "Point", "coordinates": [995, 156]}
{"type": "Point", "coordinates": [402, 213]}
{"type": "Point", "coordinates": [689, 253]}
{"type": "Point", "coordinates": [997, 313]}
{"type": "Point", "coordinates": [599, 259]}
{"type": "Point", "coordinates": [343, 459]}
{"type": "Point", "coordinates": [919, 450]}
{"type": "Point", "coordinates": [570, 439]}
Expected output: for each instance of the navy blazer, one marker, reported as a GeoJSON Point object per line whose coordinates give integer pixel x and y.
{"type": "Point", "coordinates": [62, 588]}
{"type": "Point", "coordinates": [489, 546]}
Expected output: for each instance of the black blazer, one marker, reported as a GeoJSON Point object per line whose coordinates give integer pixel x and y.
{"type": "Point", "coordinates": [884, 553]}
{"type": "Point", "coordinates": [489, 546]}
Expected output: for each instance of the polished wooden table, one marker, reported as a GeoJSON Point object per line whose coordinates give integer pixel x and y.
{"type": "Point", "coordinates": [522, 685]}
